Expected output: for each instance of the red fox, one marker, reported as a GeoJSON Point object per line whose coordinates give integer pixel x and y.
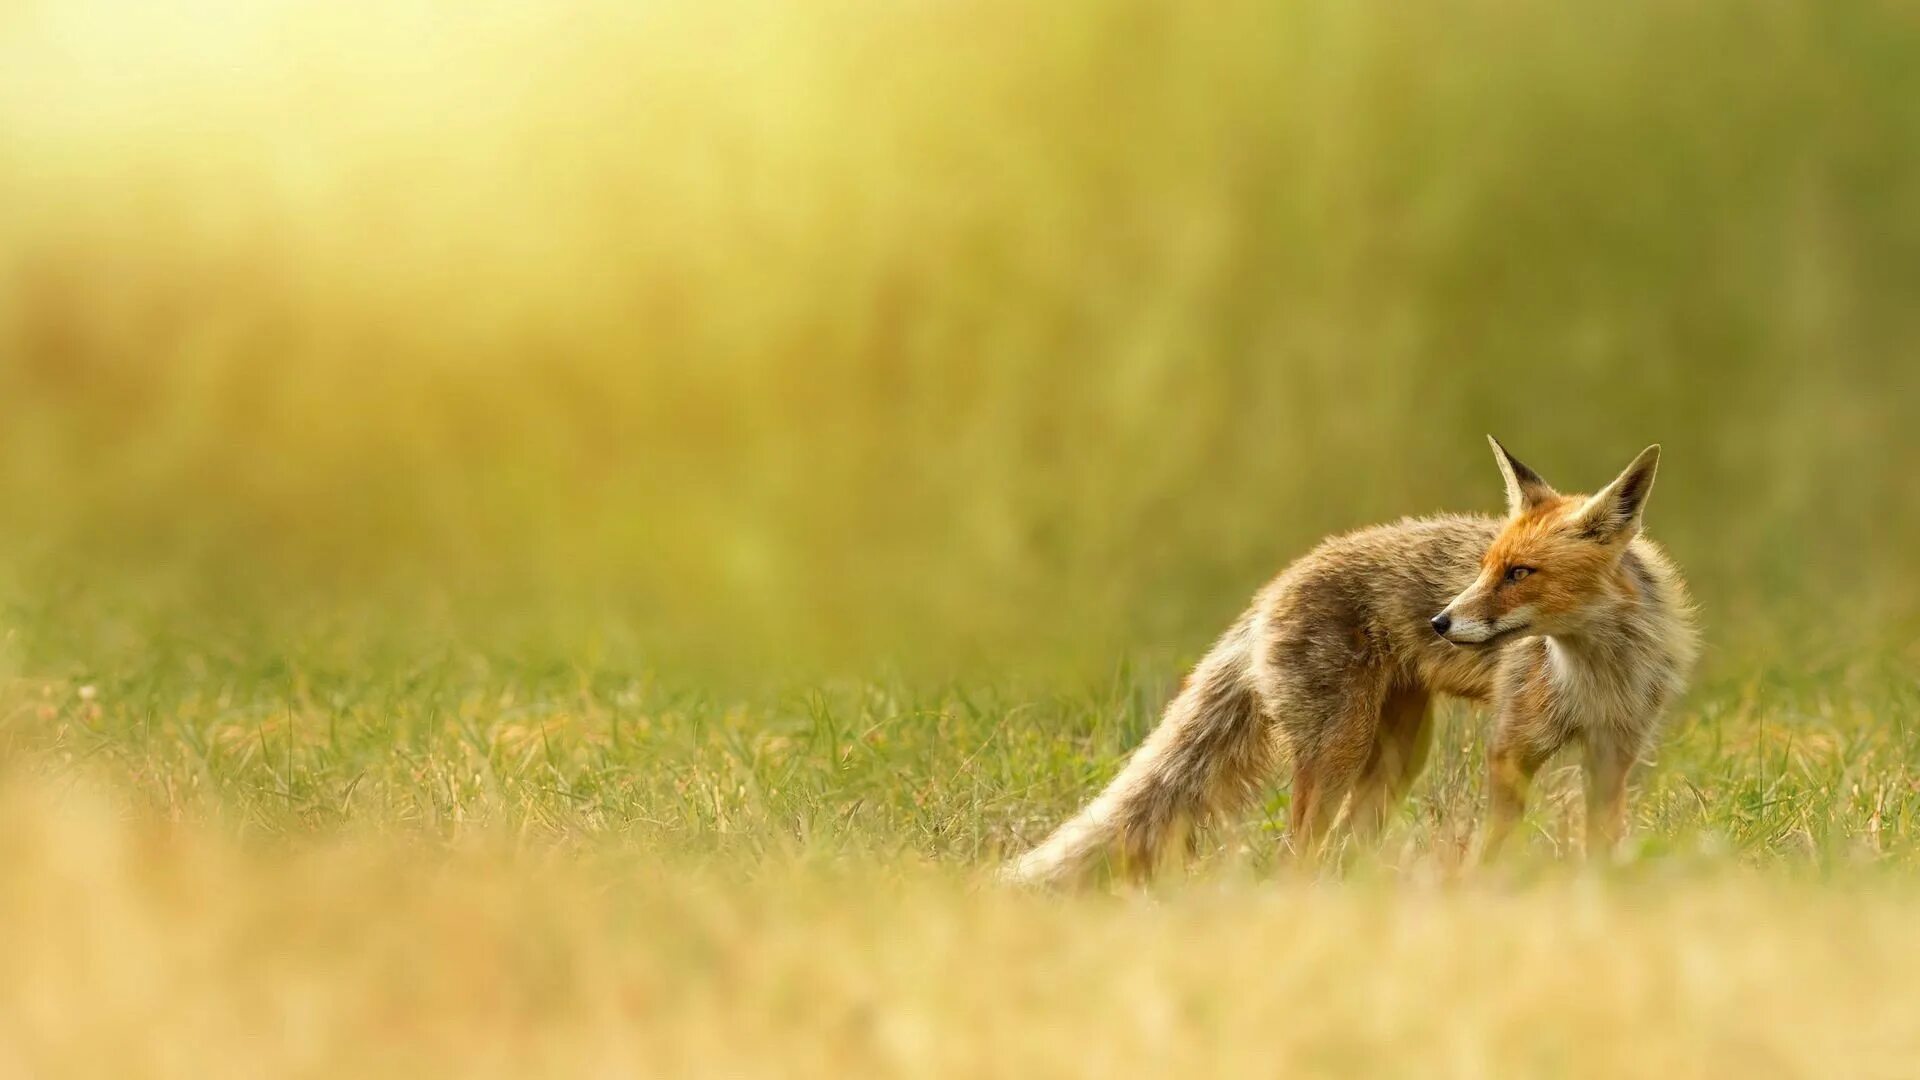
{"type": "Point", "coordinates": [1574, 626]}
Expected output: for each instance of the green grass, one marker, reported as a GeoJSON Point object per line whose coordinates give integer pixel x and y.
{"type": "Point", "coordinates": [1787, 770]}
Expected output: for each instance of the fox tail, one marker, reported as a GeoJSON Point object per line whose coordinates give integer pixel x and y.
{"type": "Point", "coordinates": [1207, 755]}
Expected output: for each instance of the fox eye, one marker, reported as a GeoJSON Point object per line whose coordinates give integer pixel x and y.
{"type": "Point", "coordinates": [1518, 572]}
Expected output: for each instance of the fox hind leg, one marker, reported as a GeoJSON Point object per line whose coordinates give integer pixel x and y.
{"type": "Point", "coordinates": [1326, 770]}
{"type": "Point", "coordinates": [1323, 676]}
{"type": "Point", "coordinates": [1399, 754]}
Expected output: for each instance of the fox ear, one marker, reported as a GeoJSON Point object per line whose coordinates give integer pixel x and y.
{"type": "Point", "coordinates": [1525, 488]}
{"type": "Point", "coordinates": [1614, 513]}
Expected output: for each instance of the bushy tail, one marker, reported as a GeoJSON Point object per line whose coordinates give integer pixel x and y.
{"type": "Point", "coordinates": [1207, 755]}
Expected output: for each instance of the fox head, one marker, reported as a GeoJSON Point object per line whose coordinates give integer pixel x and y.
{"type": "Point", "coordinates": [1556, 562]}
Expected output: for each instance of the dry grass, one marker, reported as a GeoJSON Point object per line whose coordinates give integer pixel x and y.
{"type": "Point", "coordinates": [134, 952]}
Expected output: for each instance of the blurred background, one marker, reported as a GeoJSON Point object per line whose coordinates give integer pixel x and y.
{"type": "Point", "coordinates": [760, 338]}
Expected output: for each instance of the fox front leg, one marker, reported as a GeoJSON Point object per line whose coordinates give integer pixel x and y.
{"type": "Point", "coordinates": [1608, 761]}
{"type": "Point", "coordinates": [1511, 764]}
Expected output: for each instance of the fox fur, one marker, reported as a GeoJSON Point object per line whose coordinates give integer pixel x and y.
{"type": "Point", "coordinates": [1571, 624]}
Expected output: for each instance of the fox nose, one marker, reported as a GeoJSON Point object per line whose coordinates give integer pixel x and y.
{"type": "Point", "coordinates": [1442, 623]}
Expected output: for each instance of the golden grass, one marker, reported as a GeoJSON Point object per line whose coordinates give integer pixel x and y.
{"type": "Point", "coordinates": [133, 950]}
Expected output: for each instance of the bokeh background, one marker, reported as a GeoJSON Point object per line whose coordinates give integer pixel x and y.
{"type": "Point", "coordinates": [759, 339]}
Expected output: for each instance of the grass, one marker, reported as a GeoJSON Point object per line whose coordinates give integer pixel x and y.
{"type": "Point", "coordinates": [1822, 771]}
{"type": "Point", "coordinates": [503, 875]}
{"type": "Point", "coordinates": [570, 538]}
{"type": "Point", "coordinates": [356, 957]}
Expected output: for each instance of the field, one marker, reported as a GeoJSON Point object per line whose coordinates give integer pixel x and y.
{"type": "Point", "coordinates": [572, 538]}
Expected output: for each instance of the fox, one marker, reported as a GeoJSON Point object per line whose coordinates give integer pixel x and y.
{"type": "Point", "coordinates": [1573, 626]}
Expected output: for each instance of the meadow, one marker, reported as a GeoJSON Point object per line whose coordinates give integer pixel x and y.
{"type": "Point", "coordinates": [572, 539]}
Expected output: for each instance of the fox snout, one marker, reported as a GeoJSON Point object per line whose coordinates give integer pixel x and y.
{"type": "Point", "coordinates": [1468, 621]}
{"type": "Point", "coordinates": [1469, 631]}
{"type": "Point", "coordinates": [1461, 630]}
